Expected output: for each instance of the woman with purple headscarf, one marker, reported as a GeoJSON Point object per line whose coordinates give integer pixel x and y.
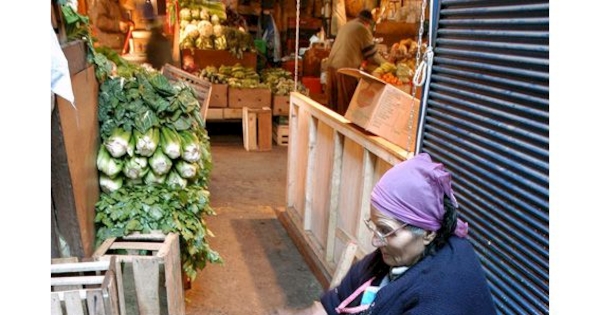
{"type": "Point", "coordinates": [423, 262]}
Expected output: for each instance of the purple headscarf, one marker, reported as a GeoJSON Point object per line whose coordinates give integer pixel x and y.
{"type": "Point", "coordinates": [413, 192]}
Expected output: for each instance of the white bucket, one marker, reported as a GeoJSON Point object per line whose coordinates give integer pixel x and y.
{"type": "Point", "coordinates": [140, 41]}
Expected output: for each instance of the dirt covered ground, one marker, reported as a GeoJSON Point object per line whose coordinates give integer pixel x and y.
{"type": "Point", "coordinates": [262, 268]}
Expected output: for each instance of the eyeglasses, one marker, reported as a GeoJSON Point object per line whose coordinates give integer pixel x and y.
{"type": "Point", "coordinates": [381, 235]}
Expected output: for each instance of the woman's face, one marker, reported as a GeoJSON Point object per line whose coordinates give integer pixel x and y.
{"type": "Point", "coordinates": [402, 248]}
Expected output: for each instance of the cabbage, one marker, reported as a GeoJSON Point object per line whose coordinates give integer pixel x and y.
{"type": "Point", "coordinates": [109, 185]}
{"type": "Point", "coordinates": [190, 146]}
{"type": "Point", "coordinates": [160, 163]}
{"type": "Point", "coordinates": [185, 169]}
{"type": "Point", "coordinates": [136, 167]}
{"type": "Point", "coordinates": [152, 178]}
{"type": "Point", "coordinates": [146, 144]}
{"type": "Point", "coordinates": [170, 143]}
{"type": "Point", "coordinates": [185, 14]}
{"type": "Point", "coordinates": [107, 164]}
{"type": "Point", "coordinates": [118, 142]}
{"type": "Point", "coordinates": [175, 181]}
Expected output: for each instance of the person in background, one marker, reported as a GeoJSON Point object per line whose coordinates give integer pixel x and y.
{"type": "Point", "coordinates": [423, 263]}
{"type": "Point", "coordinates": [158, 50]}
{"type": "Point", "coordinates": [110, 23]}
{"type": "Point", "coordinates": [353, 44]}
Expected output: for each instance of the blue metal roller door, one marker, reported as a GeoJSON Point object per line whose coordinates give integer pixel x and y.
{"type": "Point", "coordinates": [487, 119]}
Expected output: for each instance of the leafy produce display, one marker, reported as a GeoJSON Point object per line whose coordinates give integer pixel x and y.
{"type": "Point", "coordinates": [400, 68]}
{"type": "Point", "coordinates": [205, 24]}
{"type": "Point", "coordinates": [154, 161]}
{"type": "Point", "coordinates": [236, 76]}
{"type": "Point", "coordinates": [280, 81]}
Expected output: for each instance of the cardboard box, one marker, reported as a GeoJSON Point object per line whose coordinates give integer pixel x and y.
{"type": "Point", "coordinates": [218, 96]}
{"type": "Point", "coordinates": [383, 110]}
{"type": "Point", "coordinates": [281, 105]}
{"type": "Point", "coordinates": [251, 98]}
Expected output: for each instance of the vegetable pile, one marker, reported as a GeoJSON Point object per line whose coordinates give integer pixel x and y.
{"type": "Point", "coordinates": [206, 24]}
{"type": "Point", "coordinates": [154, 161]}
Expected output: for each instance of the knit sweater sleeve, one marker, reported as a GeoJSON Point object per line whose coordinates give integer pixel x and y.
{"type": "Point", "coordinates": [353, 279]}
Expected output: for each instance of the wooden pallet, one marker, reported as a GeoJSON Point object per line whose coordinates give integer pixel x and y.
{"type": "Point", "coordinates": [155, 265]}
{"type": "Point", "coordinates": [79, 288]}
{"type": "Point", "coordinates": [203, 88]}
{"type": "Point", "coordinates": [281, 134]}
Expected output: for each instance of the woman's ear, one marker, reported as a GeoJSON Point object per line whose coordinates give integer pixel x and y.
{"type": "Point", "coordinates": [429, 237]}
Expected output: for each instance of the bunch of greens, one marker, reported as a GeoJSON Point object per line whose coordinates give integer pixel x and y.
{"type": "Point", "coordinates": [154, 160]}
{"type": "Point", "coordinates": [150, 208]}
{"type": "Point", "coordinates": [145, 100]}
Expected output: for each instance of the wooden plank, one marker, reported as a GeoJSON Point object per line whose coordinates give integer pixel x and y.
{"type": "Point", "coordinates": [57, 268]}
{"type": "Point", "coordinates": [265, 126]}
{"type": "Point", "coordinates": [110, 294]}
{"type": "Point", "coordinates": [81, 280]}
{"type": "Point", "coordinates": [249, 129]}
{"type": "Point", "coordinates": [336, 175]}
{"type": "Point", "coordinates": [76, 53]}
{"type": "Point", "coordinates": [344, 264]}
{"type": "Point", "coordinates": [173, 277]}
{"type": "Point", "coordinates": [157, 236]}
{"type": "Point", "coordinates": [281, 105]}
{"type": "Point", "coordinates": [55, 304]}
{"type": "Point", "coordinates": [145, 276]}
{"type": "Point", "coordinates": [206, 57]}
{"type": "Point", "coordinates": [120, 287]}
{"type": "Point", "coordinates": [214, 113]}
{"type": "Point", "coordinates": [95, 303]}
{"type": "Point", "coordinates": [136, 245]}
{"type": "Point", "coordinates": [104, 247]}
{"type": "Point", "coordinates": [63, 200]}
{"type": "Point", "coordinates": [246, 97]}
{"type": "Point", "coordinates": [73, 303]}
{"type": "Point", "coordinates": [311, 174]}
{"type": "Point", "coordinates": [321, 183]}
{"type": "Point", "coordinates": [232, 113]}
{"type": "Point", "coordinates": [218, 96]}
{"type": "Point", "coordinates": [81, 141]}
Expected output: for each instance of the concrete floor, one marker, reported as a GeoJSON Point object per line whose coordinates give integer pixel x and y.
{"type": "Point", "coordinates": [262, 268]}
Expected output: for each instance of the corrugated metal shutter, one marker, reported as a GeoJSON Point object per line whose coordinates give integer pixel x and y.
{"type": "Point", "coordinates": [487, 120]}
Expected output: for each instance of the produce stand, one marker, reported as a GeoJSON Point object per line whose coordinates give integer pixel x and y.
{"type": "Point", "coordinates": [206, 57]}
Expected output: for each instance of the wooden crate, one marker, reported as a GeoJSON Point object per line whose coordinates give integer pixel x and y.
{"type": "Point", "coordinates": [281, 134]}
{"type": "Point", "coordinates": [251, 98]}
{"type": "Point", "coordinates": [218, 96]}
{"type": "Point", "coordinates": [79, 288]}
{"type": "Point", "coordinates": [256, 124]}
{"type": "Point", "coordinates": [150, 266]}
{"type": "Point", "coordinates": [202, 87]}
{"type": "Point", "coordinates": [281, 105]}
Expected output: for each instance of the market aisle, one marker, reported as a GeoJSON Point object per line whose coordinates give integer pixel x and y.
{"type": "Point", "coordinates": [263, 269]}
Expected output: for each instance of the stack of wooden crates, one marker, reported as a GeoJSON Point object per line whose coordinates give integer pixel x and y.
{"type": "Point", "coordinates": [139, 274]}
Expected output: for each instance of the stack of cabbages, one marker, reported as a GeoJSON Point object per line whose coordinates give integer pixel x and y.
{"type": "Point", "coordinates": [151, 132]}
{"type": "Point", "coordinates": [154, 160]}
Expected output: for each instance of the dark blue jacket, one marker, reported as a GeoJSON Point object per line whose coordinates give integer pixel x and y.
{"type": "Point", "coordinates": [451, 282]}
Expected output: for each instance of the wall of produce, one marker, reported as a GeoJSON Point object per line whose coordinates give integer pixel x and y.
{"type": "Point", "coordinates": [154, 161]}
{"type": "Point", "coordinates": [205, 24]}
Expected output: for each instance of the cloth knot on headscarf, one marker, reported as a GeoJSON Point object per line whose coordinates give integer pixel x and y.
{"type": "Point", "coordinates": [413, 192]}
